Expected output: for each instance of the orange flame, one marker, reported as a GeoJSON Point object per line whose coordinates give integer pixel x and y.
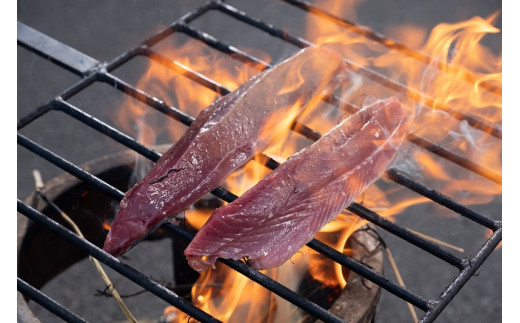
{"type": "Point", "coordinates": [462, 76]}
{"type": "Point", "coordinates": [166, 79]}
{"type": "Point", "coordinates": [106, 225]}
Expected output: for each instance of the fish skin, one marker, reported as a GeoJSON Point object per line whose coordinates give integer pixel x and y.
{"type": "Point", "coordinates": [281, 213]}
{"type": "Point", "coordinates": [224, 136]}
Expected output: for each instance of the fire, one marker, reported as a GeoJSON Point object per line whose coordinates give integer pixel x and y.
{"type": "Point", "coordinates": [106, 225]}
{"type": "Point", "coordinates": [460, 76]}
{"type": "Point", "coordinates": [247, 300]}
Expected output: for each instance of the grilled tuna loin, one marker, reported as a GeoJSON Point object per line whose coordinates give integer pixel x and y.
{"type": "Point", "coordinates": [224, 136]}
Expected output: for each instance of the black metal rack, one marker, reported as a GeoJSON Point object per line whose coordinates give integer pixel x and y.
{"type": "Point", "coordinates": [90, 70]}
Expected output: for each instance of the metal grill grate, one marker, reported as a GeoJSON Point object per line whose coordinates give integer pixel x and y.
{"type": "Point", "coordinates": [92, 71]}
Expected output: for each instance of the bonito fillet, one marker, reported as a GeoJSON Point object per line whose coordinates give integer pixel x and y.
{"type": "Point", "coordinates": [279, 215]}
{"type": "Point", "coordinates": [224, 136]}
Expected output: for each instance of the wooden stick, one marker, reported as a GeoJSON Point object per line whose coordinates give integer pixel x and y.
{"type": "Point", "coordinates": [422, 235]}
{"type": "Point", "coordinates": [400, 282]}
{"type": "Point", "coordinates": [437, 241]}
{"type": "Point", "coordinates": [39, 186]}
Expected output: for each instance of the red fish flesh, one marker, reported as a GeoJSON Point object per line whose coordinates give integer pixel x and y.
{"type": "Point", "coordinates": [279, 215]}
{"type": "Point", "coordinates": [224, 136]}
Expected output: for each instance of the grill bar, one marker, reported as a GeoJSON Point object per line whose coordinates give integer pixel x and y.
{"type": "Point", "coordinates": [257, 23]}
{"type": "Point", "coordinates": [406, 234]}
{"type": "Point", "coordinates": [100, 72]}
{"type": "Point", "coordinates": [105, 129]}
{"type": "Point", "coordinates": [61, 54]}
{"type": "Point", "coordinates": [369, 274]}
{"type": "Point", "coordinates": [463, 277]}
{"type": "Point", "coordinates": [47, 302]}
{"type": "Point", "coordinates": [33, 115]}
{"type": "Point", "coordinates": [134, 275]}
{"type": "Point", "coordinates": [402, 179]}
{"type": "Point", "coordinates": [249, 59]}
{"type": "Point", "coordinates": [187, 72]}
{"type": "Point", "coordinates": [145, 98]}
{"type": "Point", "coordinates": [68, 93]}
{"type": "Point", "coordinates": [454, 158]}
{"type": "Point", "coordinates": [69, 167]}
{"type": "Point", "coordinates": [228, 49]}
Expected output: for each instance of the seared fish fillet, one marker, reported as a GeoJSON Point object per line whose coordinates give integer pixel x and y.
{"type": "Point", "coordinates": [222, 138]}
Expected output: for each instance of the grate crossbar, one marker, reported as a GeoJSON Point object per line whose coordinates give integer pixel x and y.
{"type": "Point", "coordinates": [47, 302]}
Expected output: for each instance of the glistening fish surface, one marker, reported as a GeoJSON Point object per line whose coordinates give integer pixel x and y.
{"type": "Point", "coordinates": [224, 136]}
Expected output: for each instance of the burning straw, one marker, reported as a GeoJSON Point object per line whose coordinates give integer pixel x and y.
{"type": "Point", "coordinates": [38, 187]}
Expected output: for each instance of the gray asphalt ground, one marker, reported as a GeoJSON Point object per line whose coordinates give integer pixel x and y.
{"type": "Point", "coordinates": [105, 29]}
